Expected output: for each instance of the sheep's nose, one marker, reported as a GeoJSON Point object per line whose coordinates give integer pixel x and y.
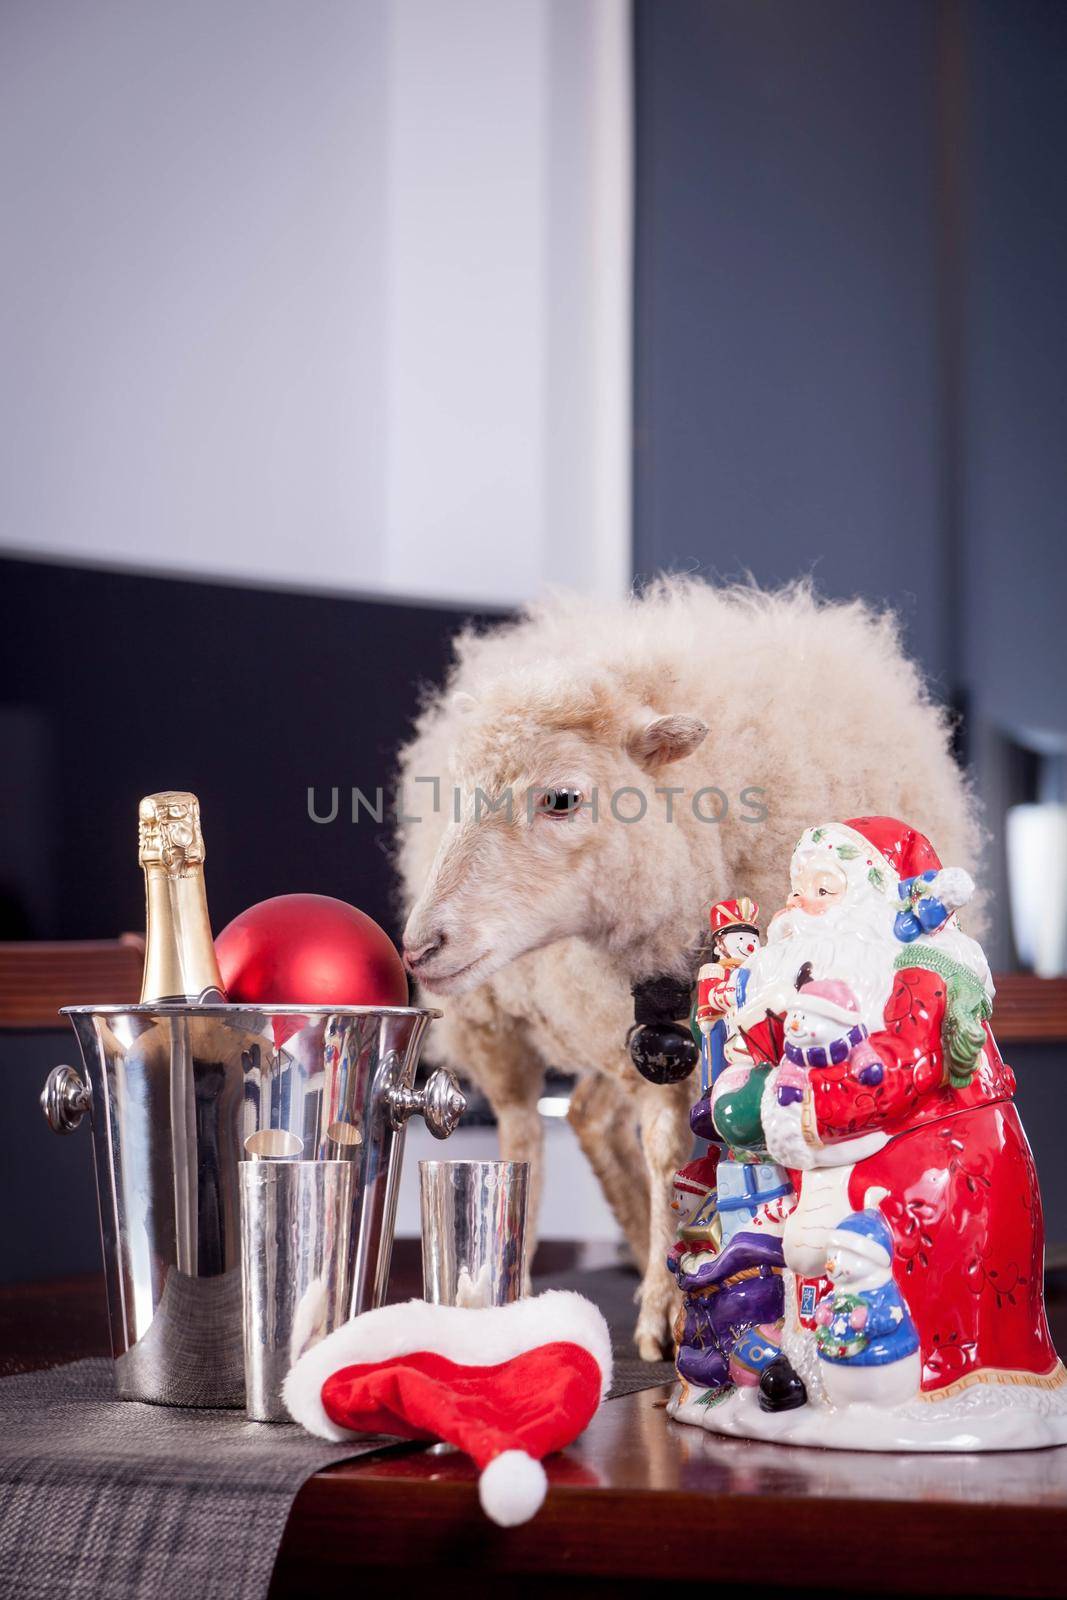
{"type": "Point", "coordinates": [417, 955]}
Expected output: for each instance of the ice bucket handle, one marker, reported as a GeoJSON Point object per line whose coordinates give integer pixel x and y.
{"type": "Point", "coordinates": [440, 1104]}
{"type": "Point", "coordinates": [65, 1099]}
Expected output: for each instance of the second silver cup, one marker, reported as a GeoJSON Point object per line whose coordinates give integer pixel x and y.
{"type": "Point", "coordinates": [473, 1231]}
{"type": "Point", "coordinates": [295, 1222]}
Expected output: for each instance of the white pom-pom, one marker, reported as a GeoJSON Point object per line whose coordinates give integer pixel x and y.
{"type": "Point", "coordinates": [512, 1488]}
{"type": "Point", "coordinates": [953, 886]}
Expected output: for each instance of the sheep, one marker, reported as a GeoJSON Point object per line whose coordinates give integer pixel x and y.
{"type": "Point", "coordinates": [533, 903]}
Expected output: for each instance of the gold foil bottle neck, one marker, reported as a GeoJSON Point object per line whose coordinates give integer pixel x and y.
{"type": "Point", "coordinates": [180, 964]}
{"type": "Point", "coordinates": [169, 834]}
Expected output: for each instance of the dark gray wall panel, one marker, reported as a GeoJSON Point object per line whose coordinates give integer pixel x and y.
{"type": "Point", "coordinates": [787, 337]}
{"type": "Point", "coordinates": [1015, 464]}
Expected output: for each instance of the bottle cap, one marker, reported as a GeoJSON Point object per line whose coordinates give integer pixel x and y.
{"type": "Point", "coordinates": [169, 832]}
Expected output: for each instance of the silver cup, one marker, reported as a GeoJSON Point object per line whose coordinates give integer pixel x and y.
{"type": "Point", "coordinates": [473, 1231]}
{"type": "Point", "coordinates": [296, 1218]}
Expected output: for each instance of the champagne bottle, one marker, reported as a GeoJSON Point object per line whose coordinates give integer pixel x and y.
{"type": "Point", "coordinates": [179, 958]}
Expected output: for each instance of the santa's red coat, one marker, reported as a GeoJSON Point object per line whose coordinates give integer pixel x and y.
{"type": "Point", "coordinates": [963, 1200]}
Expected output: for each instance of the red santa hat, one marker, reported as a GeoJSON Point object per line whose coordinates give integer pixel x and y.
{"type": "Point", "coordinates": [883, 851]}
{"type": "Point", "coordinates": [879, 850]}
{"type": "Point", "coordinates": [507, 1384]}
{"type": "Point", "coordinates": [905, 850]}
{"type": "Point", "coordinates": [829, 997]}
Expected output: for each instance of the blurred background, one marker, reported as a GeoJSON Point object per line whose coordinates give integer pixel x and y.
{"type": "Point", "coordinates": [330, 325]}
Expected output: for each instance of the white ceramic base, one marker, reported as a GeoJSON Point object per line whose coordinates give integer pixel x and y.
{"type": "Point", "coordinates": [982, 1416]}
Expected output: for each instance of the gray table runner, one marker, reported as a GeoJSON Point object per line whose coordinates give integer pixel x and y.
{"type": "Point", "coordinates": [106, 1500]}
{"type": "Point", "coordinates": [613, 1289]}
{"type": "Point", "coordinates": [103, 1499]}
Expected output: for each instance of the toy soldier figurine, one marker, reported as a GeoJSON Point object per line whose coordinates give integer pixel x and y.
{"type": "Point", "coordinates": [734, 937]}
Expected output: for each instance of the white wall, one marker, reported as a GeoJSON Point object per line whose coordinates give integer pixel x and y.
{"type": "Point", "coordinates": [330, 292]}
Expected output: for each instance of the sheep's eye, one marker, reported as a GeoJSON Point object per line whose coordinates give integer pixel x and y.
{"type": "Point", "coordinates": [559, 802]}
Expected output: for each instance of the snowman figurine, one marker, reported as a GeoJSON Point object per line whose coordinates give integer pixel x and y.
{"type": "Point", "coordinates": [822, 1029]}
{"type": "Point", "coordinates": [692, 1185]}
{"type": "Point", "coordinates": [693, 1191]}
{"type": "Point", "coordinates": [866, 1340]}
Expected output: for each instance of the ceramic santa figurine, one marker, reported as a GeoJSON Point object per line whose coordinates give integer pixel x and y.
{"type": "Point", "coordinates": [935, 1133]}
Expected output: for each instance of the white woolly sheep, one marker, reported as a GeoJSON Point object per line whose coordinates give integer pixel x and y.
{"type": "Point", "coordinates": [530, 927]}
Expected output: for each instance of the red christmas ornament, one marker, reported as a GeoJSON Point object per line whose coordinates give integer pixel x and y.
{"type": "Point", "coordinates": [309, 950]}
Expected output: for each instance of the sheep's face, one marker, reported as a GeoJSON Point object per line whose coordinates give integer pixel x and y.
{"type": "Point", "coordinates": [532, 839]}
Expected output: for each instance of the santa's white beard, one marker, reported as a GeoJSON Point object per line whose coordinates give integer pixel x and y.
{"type": "Point", "coordinates": [853, 941]}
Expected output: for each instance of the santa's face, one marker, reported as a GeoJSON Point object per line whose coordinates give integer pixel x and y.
{"type": "Point", "coordinates": [815, 885]}
{"type": "Point", "coordinates": [736, 945]}
{"type": "Point", "coordinates": [852, 940]}
{"type": "Point", "coordinates": [805, 1029]}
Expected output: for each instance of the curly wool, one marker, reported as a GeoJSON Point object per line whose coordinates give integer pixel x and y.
{"type": "Point", "coordinates": [814, 702]}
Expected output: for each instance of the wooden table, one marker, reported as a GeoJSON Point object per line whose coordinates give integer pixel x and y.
{"type": "Point", "coordinates": [639, 1500]}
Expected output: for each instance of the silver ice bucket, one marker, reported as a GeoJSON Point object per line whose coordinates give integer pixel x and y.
{"type": "Point", "coordinates": [178, 1097]}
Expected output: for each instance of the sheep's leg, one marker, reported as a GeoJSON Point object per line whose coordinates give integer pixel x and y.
{"type": "Point", "coordinates": [604, 1121]}
{"type": "Point", "coordinates": [521, 1135]}
{"type": "Point", "coordinates": [666, 1141]}
{"type": "Point", "coordinates": [497, 1057]}
{"type": "Point", "coordinates": [513, 1077]}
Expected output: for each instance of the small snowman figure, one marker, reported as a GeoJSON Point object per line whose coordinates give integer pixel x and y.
{"type": "Point", "coordinates": [693, 1192]}
{"type": "Point", "coordinates": [692, 1185]}
{"type": "Point", "coordinates": [865, 1337]}
{"type": "Point", "coordinates": [822, 1029]}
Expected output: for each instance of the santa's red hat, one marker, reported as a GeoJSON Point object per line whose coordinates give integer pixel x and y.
{"type": "Point", "coordinates": [905, 849]}
{"type": "Point", "coordinates": [507, 1384]}
{"type": "Point", "coordinates": [877, 850]}
{"type": "Point", "coordinates": [881, 852]}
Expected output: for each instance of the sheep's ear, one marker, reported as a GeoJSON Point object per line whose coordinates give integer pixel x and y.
{"type": "Point", "coordinates": [654, 744]}
{"type": "Point", "coordinates": [463, 702]}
